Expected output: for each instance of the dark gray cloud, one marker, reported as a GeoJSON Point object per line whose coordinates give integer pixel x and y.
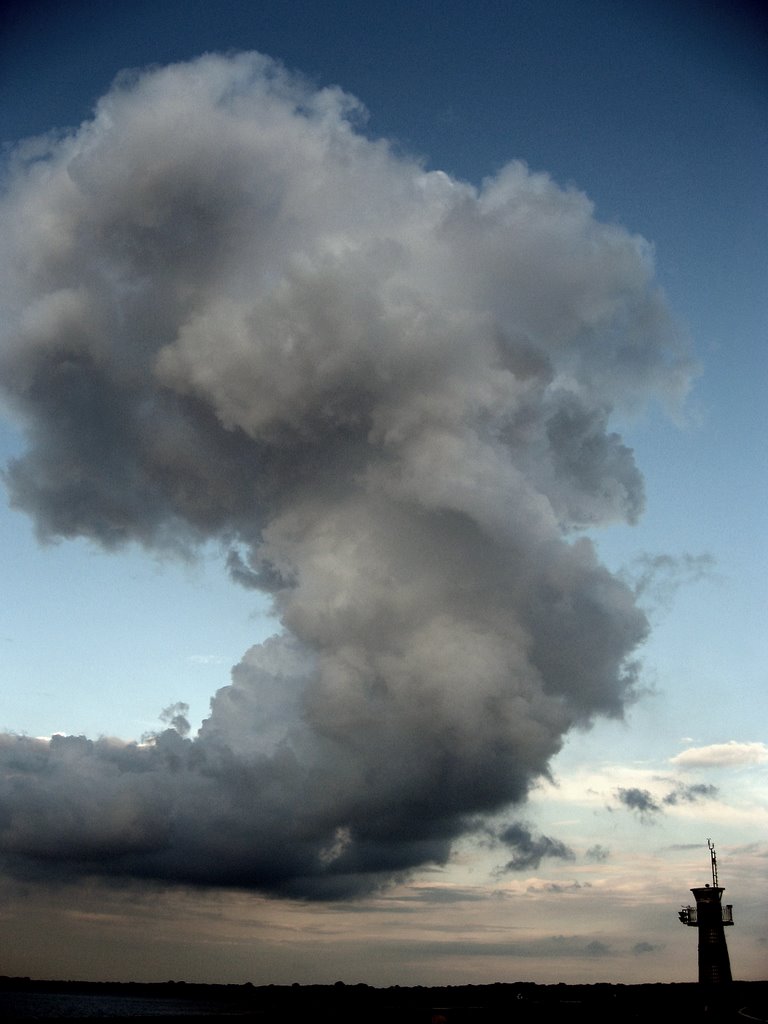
{"type": "Point", "coordinates": [690, 793]}
{"type": "Point", "coordinates": [598, 853]}
{"type": "Point", "coordinates": [640, 948]}
{"type": "Point", "coordinates": [229, 315]}
{"type": "Point", "coordinates": [558, 888]}
{"type": "Point", "coordinates": [554, 947]}
{"type": "Point", "coordinates": [647, 806]}
{"type": "Point", "coordinates": [530, 849]}
{"type": "Point", "coordinates": [640, 800]}
{"type": "Point", "coordinates": [597, 948]}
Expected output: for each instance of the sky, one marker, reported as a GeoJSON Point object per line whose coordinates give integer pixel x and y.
{"type": "Point", "coordinates": [383, 420]}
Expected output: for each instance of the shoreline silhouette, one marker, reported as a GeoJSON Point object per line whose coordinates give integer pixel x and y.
{"type": "Point", "coordinates": [25, 998]}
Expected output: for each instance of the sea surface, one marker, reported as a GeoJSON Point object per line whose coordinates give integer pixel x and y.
{"type": "Point", "coordinates": [80, 1005]}
{"type": "Point", "coordinates": [22, 1001]}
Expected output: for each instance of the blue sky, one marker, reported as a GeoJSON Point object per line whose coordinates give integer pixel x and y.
{"type": "Point", "coordinates": [659, 116]}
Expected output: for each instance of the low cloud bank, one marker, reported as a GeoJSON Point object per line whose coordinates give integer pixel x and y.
{"type": "Point", "coordinates": [231, 315]}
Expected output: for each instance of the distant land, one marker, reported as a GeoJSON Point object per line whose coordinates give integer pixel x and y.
{"type": "Point", "coordinates": [25, 999]}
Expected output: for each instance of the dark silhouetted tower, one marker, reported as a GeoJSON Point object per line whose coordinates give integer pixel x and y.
{"type": "Point", "coordinates": [710, 916]}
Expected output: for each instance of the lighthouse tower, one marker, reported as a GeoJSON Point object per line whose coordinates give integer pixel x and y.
{"type": "Point", "coordinates": [710, 916]}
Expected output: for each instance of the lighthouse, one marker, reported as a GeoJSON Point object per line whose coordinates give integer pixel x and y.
{"type": "Point", "coordinates": [710, 917]}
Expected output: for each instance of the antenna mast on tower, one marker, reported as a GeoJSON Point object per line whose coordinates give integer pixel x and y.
{"type": "Point", "coordinates": [713, 857]}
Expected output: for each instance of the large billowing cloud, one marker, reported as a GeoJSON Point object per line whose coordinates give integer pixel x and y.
{"type": "Point", "coordinates": [229, 314]}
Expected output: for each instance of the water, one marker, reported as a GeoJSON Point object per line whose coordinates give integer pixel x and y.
{"type": "Point", "coordinates": [82, 1005]}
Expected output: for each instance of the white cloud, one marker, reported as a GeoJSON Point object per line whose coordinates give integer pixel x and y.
{"type": "Point", "coordinates": [722, 755]}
